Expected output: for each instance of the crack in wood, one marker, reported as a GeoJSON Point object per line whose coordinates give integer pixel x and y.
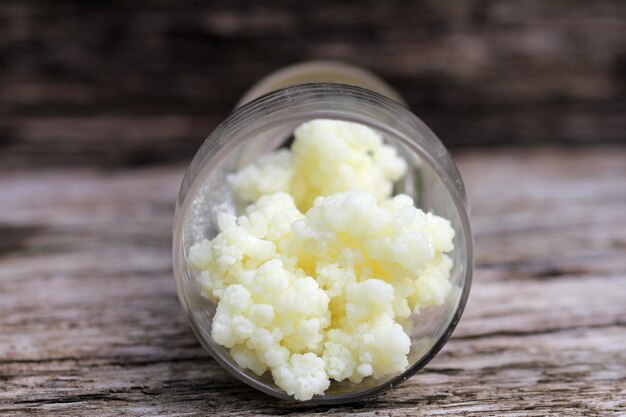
{"type": "Point", "coordinates": [539, 332]}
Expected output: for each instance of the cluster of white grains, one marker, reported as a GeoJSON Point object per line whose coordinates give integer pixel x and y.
{"type": "Point", "coordinates": [327, 157]}
{"type": "Point", "coordinates": [315, 281]}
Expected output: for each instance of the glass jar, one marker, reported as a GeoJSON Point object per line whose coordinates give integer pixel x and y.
{"type": "Point", "coordinates": [265, 123]}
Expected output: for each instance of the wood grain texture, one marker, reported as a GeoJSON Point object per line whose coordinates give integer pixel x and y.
{"type": "Point", "coordinates": [90, 324]}
{"type": "Point", "coordinates": [115, 84]}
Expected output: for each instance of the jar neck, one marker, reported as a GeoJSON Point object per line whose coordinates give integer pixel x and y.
{"type": "Point", "coordinates": [320, 71]}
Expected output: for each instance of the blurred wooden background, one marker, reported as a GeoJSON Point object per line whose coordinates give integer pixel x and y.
{"type": "Point", "coordinates": [110, 83]}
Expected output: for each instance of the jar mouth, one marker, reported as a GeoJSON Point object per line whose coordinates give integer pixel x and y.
{"type": "Point", "coordinates": [291, 106]}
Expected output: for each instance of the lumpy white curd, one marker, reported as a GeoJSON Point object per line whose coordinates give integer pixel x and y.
{"type": "Point", "coordinates": [327, 157]}
{"type": "Point", "coordinates": [317, 280]}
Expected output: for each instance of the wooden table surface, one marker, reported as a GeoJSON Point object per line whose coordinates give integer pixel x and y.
{"type": "Point", "coordinates": [90, 323]}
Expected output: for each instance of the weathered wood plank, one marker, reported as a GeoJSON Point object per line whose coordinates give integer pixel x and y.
{"type": "Point", "coordinates": [114, 84]}
{"type": "Point", "coordinates": [90, 323]}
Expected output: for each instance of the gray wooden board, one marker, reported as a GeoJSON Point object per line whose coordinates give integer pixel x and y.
{"type": "Point", "coordinates": [90, 323]}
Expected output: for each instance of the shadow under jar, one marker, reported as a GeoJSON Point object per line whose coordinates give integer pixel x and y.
{"type": "Point", "coordinates": [265, 124]}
